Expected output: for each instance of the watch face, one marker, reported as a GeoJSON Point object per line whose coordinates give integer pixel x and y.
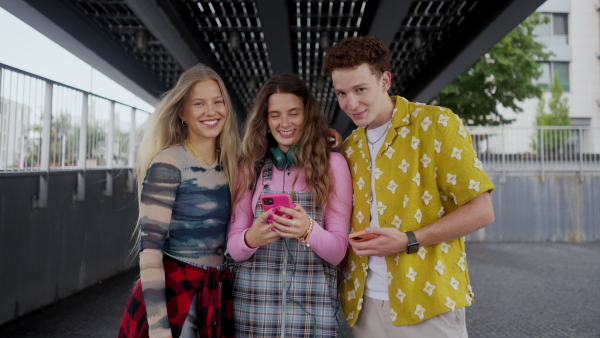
{"type": "Point", "coordinates": [413, 248]}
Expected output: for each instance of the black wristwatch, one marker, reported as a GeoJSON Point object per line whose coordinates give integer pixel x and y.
{"type": "Point", "coordinates": [413, 244]}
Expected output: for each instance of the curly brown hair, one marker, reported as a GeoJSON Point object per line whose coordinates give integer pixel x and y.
{"type": "Point", "coordinates": [313, 152]}
{"type": "Point", "coordinates": [353, 52]}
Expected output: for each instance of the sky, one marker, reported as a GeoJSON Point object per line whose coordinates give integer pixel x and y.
{"type": "Point", "coordinates": [25, 48]}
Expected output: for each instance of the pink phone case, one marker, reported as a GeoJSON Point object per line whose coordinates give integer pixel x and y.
{"type": "Point", "coordinates": [273, 200]}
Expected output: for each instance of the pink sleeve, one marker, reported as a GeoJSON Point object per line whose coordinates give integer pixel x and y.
{"type": "Point", "coordinates": [241, 220]}
{"type": "Point", "coordinates": [330, 240]}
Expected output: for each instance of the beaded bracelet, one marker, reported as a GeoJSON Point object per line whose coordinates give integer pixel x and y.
{"type": "Point", "coordinates": [304, 239]}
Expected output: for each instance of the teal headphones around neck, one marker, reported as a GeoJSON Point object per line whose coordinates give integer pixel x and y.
{"type": "Point", "coordinates": [283, 160]}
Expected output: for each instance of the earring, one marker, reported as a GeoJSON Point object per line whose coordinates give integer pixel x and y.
{"type": "Point", "coordinates": [268, 131]}
{"type": "Point", "coordinates": [183, 123]}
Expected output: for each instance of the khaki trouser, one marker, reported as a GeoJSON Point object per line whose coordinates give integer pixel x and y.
{"type": "Point", "coordinates": [375, 321]}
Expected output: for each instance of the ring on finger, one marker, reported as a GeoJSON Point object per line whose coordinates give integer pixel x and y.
{"type": "Point", "coordinates": [292, 222]}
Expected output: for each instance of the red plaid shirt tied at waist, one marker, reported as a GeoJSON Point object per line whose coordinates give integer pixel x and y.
{"type": "Point", "coordinates": [183, 282]}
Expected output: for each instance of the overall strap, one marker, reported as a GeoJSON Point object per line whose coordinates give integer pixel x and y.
{"type": "Point", "coordinates": [267, 170]}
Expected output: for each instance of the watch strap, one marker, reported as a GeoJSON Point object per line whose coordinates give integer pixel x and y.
{"type": "Point", "coordinates": [413, 244]}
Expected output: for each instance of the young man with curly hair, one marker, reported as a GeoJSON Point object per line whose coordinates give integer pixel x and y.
{"type": "Point", "coordinates": [420, 187]}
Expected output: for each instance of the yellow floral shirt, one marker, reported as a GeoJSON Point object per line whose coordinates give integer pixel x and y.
{"type": "Point", "coordinates": [426, 168]}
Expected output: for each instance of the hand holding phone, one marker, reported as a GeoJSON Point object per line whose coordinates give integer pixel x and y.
{"type": "Point", "coordinates": [276, 200]}
{"type": "Point", "coordinates": [361, 236]}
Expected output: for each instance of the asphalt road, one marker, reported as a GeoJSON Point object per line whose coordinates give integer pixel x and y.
{"type": "Point", "coordinates": [521, 290]}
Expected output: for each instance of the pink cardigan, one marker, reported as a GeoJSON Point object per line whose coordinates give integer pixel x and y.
{"type": "Point", "coordinates": [329, 240]}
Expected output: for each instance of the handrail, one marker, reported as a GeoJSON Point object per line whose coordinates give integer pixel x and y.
{"type": "Point", "coordinates": [48, 126]}
{"type": "Point", "coordinates": [17, 70]}
{"type": "Point", "coordinates": [538, 149]}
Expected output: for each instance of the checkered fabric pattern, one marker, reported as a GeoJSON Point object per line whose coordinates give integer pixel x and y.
{"type": "Point", "coordinates": [260, 309]}
{"type": "Point", "coordinates": [183, 282]}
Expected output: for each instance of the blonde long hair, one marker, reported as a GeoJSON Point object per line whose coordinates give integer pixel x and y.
{"type": "Point", "coordinates": [164, 128]}
{"type": "Point", "coordinates": [313, 152]}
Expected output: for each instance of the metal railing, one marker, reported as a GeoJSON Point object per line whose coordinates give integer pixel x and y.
{"type": "Point", "coordinates": [537, 149]}
{"type": "Point", "coordinates": [46, 126]}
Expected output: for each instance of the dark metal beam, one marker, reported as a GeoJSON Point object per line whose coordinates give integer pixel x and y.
{"type": "Point", "coordinates": [58, 21]}
{"type": "Point", "coordinates": [274, 20]}
{"type": "Point", "coordinates": [158, 23]}
{"type": "Point", "coordinates": [388, 19]}
{"type": "Point", "coordinates": [482, 41]}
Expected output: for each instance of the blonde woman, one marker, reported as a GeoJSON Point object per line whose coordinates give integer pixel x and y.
{"type": "Point", "coordinates": [187, 159]}
{"type": "Point", "coordinates": [285, 279]}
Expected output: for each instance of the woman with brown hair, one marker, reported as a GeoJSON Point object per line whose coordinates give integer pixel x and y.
{"type": "Point", "coordinates": [285, 278]}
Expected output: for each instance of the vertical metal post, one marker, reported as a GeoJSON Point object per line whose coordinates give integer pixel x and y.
{"type": "Point", "coordinates": [132, 131]}
{"type": "Point", "coordinates": [503, 179]}
{"type": "Point", "coordinates": [131, 158]}
{"type": "Point", "coordinates": [110, 150]}
{"type": "Point", "coordinates": [111, 136]}
{"type": "Point", "coordinates": [42, 199]}
{"type": "Point", "coordinates": [542, 151]}
{"type": "Point", "coordinates": [82, 157]}
{"type": "Point", "coordinates": [581, 154]}
{"type": "Point", "coordinates": [2, 165]}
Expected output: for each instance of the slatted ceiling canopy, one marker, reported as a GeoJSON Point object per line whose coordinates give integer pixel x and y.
{"type": "Point", "coordinates": [425, 31]}
{"type": "Point", "coordinates": [146, 44]}
{"type": "Point", "coordinates": [233, 32]}
{"type": "Point", "coordinates": [117, 20]}
{"type": "Point", "coordinates": [315, 27]}
{"type": "Point", "coordinates": [430, 34]}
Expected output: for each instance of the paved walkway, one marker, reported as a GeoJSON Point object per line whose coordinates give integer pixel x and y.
{"type": "Point", "coordinates": [521, 290]}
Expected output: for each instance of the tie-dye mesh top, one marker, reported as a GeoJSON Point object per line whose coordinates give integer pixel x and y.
{"type": "Point", "coordinates": [184, 213]}
{"type": "Point", "coordinates": [185, 208]}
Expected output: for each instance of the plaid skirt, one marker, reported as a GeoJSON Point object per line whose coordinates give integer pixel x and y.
{"type": "Point", "coordinates": [183, 282]}
{"type": "Point", "coordinates": [285, 288]}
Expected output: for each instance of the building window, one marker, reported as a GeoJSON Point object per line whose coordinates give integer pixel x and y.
{"type": "Point", "coordinates": [548, 70]}
{"type": "Point", "coordinates": [556, 31]}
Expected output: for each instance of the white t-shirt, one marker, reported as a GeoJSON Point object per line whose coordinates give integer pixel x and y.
{"type": "Point", "coordinates": [377, 284]}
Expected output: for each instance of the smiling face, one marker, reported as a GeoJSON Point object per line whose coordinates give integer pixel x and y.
{"type": "Point", "coordinates": [204, 111]}
{"type": "Point", "coordinates": [285, 118]}
{"type": "Point", "coordinates": [363, 96]}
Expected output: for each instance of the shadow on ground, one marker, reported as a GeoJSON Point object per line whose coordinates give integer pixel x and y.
{"type": "Point", "coordinates": [521, 290]}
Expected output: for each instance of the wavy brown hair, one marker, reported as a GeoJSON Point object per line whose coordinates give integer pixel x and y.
{"type": "Point", "coordinates": [353, 52]}
{"type": "Point", "coordinates": [313, 152]}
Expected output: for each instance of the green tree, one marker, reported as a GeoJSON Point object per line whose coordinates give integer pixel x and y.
{"type": "Point", "coordinates": [505, 75]}
{"type": "Point", "coordinates": [96, 142]}
{"type": "Point", "coordinates": [63, 140]}
{"type": "Point", "coordinates": [558, 115]}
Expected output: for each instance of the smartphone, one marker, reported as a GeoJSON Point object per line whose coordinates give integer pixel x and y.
{"type": "Point", "coordinates": [276, 200]}
{"type": "Point", "coordinates": [361, 236]}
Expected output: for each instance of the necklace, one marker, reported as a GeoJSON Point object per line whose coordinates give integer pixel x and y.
{"type": "Point", "coordinates": [372, 144]}
{"type": "Point", "coordinates": [195, 154]}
